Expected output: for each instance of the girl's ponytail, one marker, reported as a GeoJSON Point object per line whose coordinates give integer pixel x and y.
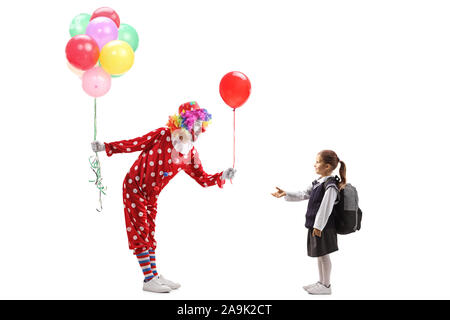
{"type": "Point", "coordinates": [342, 174]}
{"type": "Point", "coordinates": [330, 157]}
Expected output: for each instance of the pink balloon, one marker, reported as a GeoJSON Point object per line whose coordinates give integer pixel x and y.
{"type": "Point", "coordinates": [96, 82]}
{"type": "Point", "coordinates": [102, 30]}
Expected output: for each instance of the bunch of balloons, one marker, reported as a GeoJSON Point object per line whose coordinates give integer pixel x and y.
{"type": "Point", "coordinates": [100, 48]}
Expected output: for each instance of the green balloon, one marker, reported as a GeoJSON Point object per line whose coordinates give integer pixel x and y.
{"type": "Point", "coordinates": [79, 24]}
{"type": "Point", "coordinates": [128, 34]}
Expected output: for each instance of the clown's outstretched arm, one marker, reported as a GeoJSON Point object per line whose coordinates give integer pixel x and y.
{"type": "Point", "coordinates": [195, 170]}
{"type": "Point", "coordinates": [128, 146]}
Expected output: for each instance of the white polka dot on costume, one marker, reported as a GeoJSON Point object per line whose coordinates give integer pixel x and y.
{"type": "Point", "coordinates": [143, 165]}
{"type": "Point", "coordinates": [143, 146]}
{"type": "Point", "coordinates": [129, 229]}
{"type": "Point", "coordinates": [139, 233]}
{"type": "Point", "coordinates": [133, 205]}
{"type": "Point", "coordinates": [146, 240]}
{"type": "Point", "coordinates": [154, 243]}
{"type": "Point", "coordinates": [128, 149]}
{"type": "Point", "coordinates": [134, 190]}
{"type": "Point", "coordinates": [169, 150]}
{"type": "Point", "coordinates": [152, 174]}
{"type": "Point", "coordinates": [196, 166]}
{"type": "Point", "coordinates": [149, 137]}
{"type": "Point", "coordinates": [141, 228]}
{"type": "Point", "coordinates": [150, 152]}
{"type": "Point", "coordinates": [153, 233]}
{"type": "Point", "coordinates": [169, 161]}
{"type": "Point", "coordinates": [140, 214]}
{"type": "Point", "coordinates": [159, 151]}
{"type": "Point", "coordinates": [160, 162]}
{"type": "Point", "coordinates": [110, 152]}
{"type": "Point", "coordinates": [141, 200]}
{"type": "Point", "coordinates": [144, 185]}
{"type": "Point", "coordinates": [161, 173]}
{"type": "Point", "coordinates": [136, 167]}
{"type": "Point", "coordinates": [128, 196]}
{"type": "Point", "coordinates": [163, 132]}
{"type": "Point", "coordinates": [170, 173]}
{"type": "Point", "coordinates": [137, 178]}
{"type": "Point", "coordinates": [178, 169]}
{"type": "Point", "coordinates": [205, 184]}
{"type": "Point", "coordinates": [168, 139]}
{"type": "Point", "coordinates": [120, 144]}
{"type": "Point", "coordinates": [134, 237]}
{"type": "Point", "coordinates": [135, 143]}
{"type": "Point", "coordinates": [153, 184]}
{"type": "Point", "coordinates": [152, 163]}
{"type": "Point", "coordinates": [128, 210]}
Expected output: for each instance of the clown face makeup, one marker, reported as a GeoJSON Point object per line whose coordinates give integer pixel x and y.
{"type": "Point", "coordinates": [197, 129]}
{"type": "Point", "coordinates": [182, 141]}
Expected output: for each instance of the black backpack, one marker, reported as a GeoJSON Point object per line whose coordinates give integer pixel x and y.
{"type": "Point", "coordinates": [347, 213]}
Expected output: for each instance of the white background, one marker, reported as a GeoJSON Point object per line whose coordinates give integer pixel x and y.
{"type": "Point", "coordinates": [368, 79]}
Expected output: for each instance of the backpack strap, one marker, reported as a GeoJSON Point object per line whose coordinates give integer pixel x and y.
{"type": "Point", "coordinates": [333, 183]}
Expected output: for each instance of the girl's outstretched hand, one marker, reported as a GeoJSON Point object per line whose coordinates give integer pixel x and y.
{"type": "Point", "coordinates": [316, 233]}
{"type": "Point", "coordinates": [280, 193]}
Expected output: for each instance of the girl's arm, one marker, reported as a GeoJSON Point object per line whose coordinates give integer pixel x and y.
{"type": "Point", "coordinates": [299, 196]}
{"type": "Point", "coordinates": [326, 207]}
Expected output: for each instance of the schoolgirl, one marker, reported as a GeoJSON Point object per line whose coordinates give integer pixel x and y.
{"type": "Point", "coordinates": [323, 194]}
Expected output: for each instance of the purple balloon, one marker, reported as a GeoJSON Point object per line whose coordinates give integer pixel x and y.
{"type": "Point", "coordinates": [102, 30]}
{"type": "Point", "coordinates": [96, 82]}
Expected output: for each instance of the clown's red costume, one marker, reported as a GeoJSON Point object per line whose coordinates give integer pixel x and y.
{"type": "Point", "coordinates": [164, 152]}
{"type": "Point", "coordinates": [157, 164]}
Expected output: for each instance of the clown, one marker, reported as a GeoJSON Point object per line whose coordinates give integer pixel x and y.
{"type": "Point", "coordinates": [164, 152]}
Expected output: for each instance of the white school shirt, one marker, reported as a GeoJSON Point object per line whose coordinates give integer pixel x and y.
{"type": "Point", "coordinates": [330, 198]}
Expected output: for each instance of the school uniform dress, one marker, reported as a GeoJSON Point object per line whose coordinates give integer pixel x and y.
{"type": "Point", "coordinates": [322, 194]}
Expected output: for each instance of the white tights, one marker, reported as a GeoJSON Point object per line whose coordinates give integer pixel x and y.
{"type": "Point", "coordinates": [324, 263]}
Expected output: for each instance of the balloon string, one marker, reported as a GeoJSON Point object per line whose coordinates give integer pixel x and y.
{"type": "Point", "coordinates": [234, 137]}
{"type": "Point", "coordinates": [95, 164]}
{"type": "Point", "coordinates": [234, 140]}
{"type": "Point", "coordinates": [95, 119]}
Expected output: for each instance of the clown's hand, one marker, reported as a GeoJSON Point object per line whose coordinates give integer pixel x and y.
{"type": "Point", "coordinates": [97, 146]}
{"type": "Point", "coordinates": [228, 174]}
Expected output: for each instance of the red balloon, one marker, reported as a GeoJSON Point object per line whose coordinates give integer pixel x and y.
{"type": "Point", "coordinates": [82, 52]}
{"type": "Point", "coordinates": [235, 89]}
{"type": "Point", "coordinates": [108, 13]}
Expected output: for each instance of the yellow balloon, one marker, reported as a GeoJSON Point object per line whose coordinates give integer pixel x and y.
{"type": "Point", "coordinates": [116, 57]}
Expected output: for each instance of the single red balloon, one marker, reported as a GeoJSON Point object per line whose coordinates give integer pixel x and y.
{"type": "Point", "coordinates": [82, 52]}
{"type": "Point", "coordinates": [108, 13]}
{"type": "Point", "coordinates": [235, 89]}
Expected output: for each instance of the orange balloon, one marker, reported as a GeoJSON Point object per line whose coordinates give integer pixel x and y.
{"type": "Point", "coordinates": [76, 71]}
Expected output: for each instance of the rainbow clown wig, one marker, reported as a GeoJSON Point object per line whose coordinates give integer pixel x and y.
{"type": "Point", "coordinates": [188, 113]}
